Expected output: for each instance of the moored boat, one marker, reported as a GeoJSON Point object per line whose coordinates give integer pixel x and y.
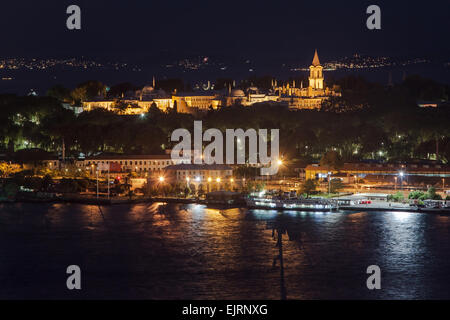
{"type": "Point", "coordinates": [291, 204]}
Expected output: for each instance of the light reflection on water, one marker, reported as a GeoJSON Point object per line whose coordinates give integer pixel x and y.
{"type": "Point", "coordinates": [175, 251]}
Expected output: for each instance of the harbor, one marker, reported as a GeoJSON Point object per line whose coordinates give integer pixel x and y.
{"type": "Point", "coordinates": [260, 200]}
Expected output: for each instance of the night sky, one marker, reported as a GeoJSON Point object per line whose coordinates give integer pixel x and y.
{"type": "Point", "coordinates": [276, 29]}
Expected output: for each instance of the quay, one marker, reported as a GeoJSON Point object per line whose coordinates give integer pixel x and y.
{"type": "Point", "coordinates": [358, 202]}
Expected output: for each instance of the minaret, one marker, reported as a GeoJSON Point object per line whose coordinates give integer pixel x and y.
{"type": "Point", "coordinates": [315, 73]}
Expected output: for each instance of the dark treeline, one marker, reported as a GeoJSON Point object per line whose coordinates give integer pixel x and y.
{"type": "Point", "coordinates": [369, 122]}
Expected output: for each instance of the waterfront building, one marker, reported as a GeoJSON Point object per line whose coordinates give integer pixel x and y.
{"type": "Point", "coordinates": [363, 170]}
{"type": "Point", "coordinates": [198, 173]}
{"type": "Point", "coordinates": [129, 163]}
{"type": "Point", "coordinates": [118, 163]}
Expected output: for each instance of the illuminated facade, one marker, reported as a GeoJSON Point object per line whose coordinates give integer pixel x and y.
{"type": "Point", "coordinates": [312, 96]}
{"type": "Point", "coordinates": [198, 173]}
{"type": "Point", "coordinates": [185, 102]}
{"type": "Point", "coordinates": [139, 102]}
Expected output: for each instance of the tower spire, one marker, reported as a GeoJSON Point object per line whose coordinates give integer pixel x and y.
{"type": "Point", "coordinates": [316, 61]}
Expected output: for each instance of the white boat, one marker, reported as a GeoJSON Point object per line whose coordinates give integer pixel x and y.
{"type": "Point", "coordinates": [291, 204]}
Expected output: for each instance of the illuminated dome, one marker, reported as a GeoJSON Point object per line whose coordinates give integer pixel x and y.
{"type": "Point", "coordinates": [237, 93]}
{"type": "Point", "coordinates": [253, 90]}
{"type": "Point", "coordinates": [147, 90]}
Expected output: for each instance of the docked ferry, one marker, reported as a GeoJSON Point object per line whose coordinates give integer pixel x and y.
{"type": "Point", "coordinates": [278, 203]}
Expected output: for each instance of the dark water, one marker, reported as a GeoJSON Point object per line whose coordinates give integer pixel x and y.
{"type": "Point", "coordinates": [155, 251]}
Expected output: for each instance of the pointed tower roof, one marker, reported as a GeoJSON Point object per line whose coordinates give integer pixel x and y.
{"type": "Point", "coordinates": [316, 61]}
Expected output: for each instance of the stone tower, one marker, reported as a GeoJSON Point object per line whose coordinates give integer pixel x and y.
{"type": "Point", "coordinates": [315, 73]}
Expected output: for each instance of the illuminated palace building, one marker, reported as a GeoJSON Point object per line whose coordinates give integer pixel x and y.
{"type": "Point", "coordinates": [312, 96]}
{"type": "Point", "coordinates": [139, 102]}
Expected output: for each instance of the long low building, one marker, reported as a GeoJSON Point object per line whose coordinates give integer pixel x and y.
{"type": "Point", "coordinates": [199, 173]}
{"type": "Point", "coordinates": [120, 163]}
{"type": "Point", "coordinates": [314, 171]}
{"type": "Point", "coordinates": [132, 163]}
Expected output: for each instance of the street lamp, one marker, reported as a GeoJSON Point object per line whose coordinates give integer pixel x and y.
{"type": "Point", "coordinates": [329, 183]}
{"type": "Point", "coordinates": [161, 179]}
{"type": "Point", "coordinates": [209, 181]}
{"type": "Point", "coordinates": [401, 174]}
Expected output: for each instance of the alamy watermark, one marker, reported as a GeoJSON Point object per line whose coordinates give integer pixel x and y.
{"type": "Point", "coordinates": [374, 280]}
{"type": "Point", "coordinates": [235, 147]}
{"type": "Point", "coordinates": [374, 20]}
{"type": "Point", "coordinates": [73, 22]}
{"type": "Point", "coordinates": [74, 280]}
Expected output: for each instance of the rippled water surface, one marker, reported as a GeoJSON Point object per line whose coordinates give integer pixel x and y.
{"type": "Point", "coordinates": [156, 251]}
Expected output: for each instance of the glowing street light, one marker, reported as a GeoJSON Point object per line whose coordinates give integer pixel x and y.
{"type": "Point", "coordinates": [218, 180]}
{"type": "Point", "coordinates": [401, 174]}
{"type": "Point", "coordinates": [329, 182]}
{"type": "Point", "coordinates": [209, 179]}
{"type": "Point", "coordinates": [161, 179]}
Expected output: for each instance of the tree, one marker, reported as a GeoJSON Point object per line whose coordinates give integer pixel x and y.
{"type": "Point", "coordinates": [59, 92]}
{"type": "Point", "coordinates": [396, 197]}
{"type": "Point", "coordinates": [7, 169]}
{"type": "Point", "coordinates": [336, 185]}
{"type": "Point", "coordinates": [175, 107]}
{"type": "Point", "coordinates": [308, 187]}
{"type": "Point", "coordinates": [432, 194]}
{"type": "Point", "coordinates": [416, 195]}
{"type": "Point", "coordinates": [331, 159]}
{"type": "Point", "coordinates": [79, 95]}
